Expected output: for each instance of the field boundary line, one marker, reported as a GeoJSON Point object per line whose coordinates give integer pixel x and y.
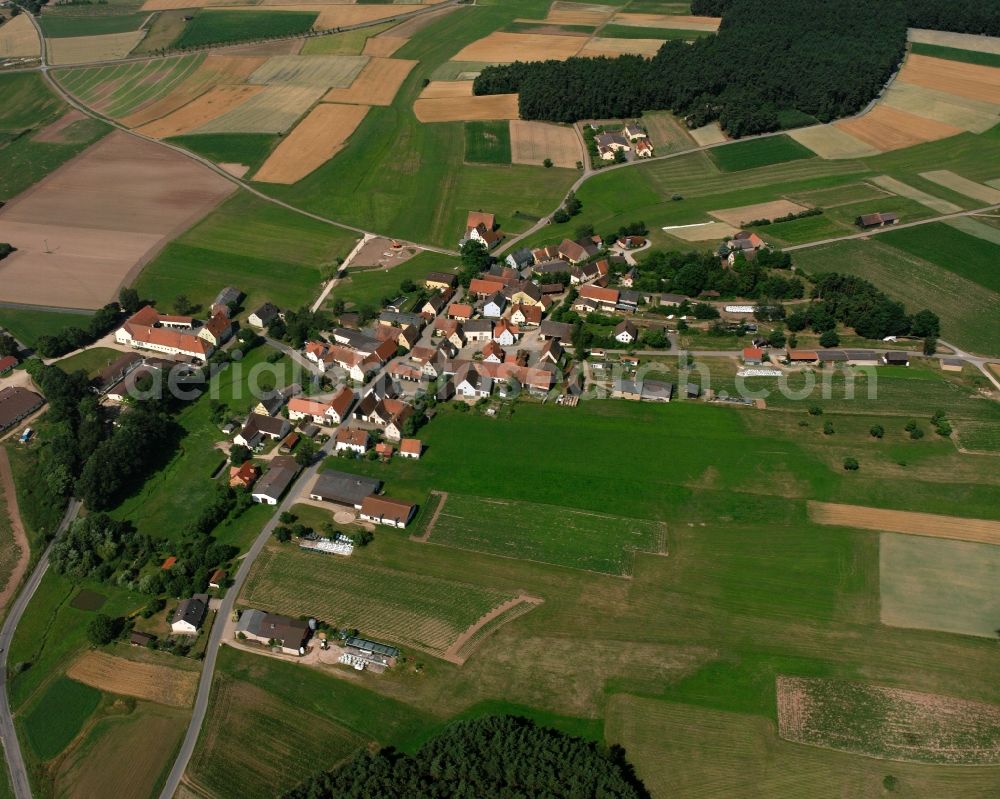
{"type": "Point", "coordinates": [931, 525]}
{"type": "Point", "coordinates": [451, 654]}
{"type": "Point", "coordinates": [443, 498]}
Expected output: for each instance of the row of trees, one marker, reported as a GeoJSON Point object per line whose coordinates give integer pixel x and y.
{"type": "Point", "coordinates": [692, 273]}
{"type": "Point", "coordinates": [73, 338]}
{"type": "Point", "coordinates": [496, 756]}
{"type": "Point", "coordinates": [770, 59]}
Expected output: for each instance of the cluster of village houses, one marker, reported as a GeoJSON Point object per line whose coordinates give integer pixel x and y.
{"type": "Point", "coordinates": [493, 338]}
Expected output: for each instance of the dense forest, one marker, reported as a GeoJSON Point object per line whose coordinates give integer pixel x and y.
{"type": "Point", "coordinates": [960, 16]}
{"type": "Point", "coordinates": [501, 757]}
{"type": "Point", "coordinates": [773, 64]}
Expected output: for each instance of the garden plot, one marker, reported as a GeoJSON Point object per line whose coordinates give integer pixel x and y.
{"type": "Point", "coordinates": [87, 227]}
{"type": "Point", "coordinates": [533, 142]}
{"type": "Point", "coordinates": [888, 723]}
{"type": "Point", "coordinates": [152, 681]}
{"type": "Point", "coordinates": [84, 49]}
{"type": "Point", "coordinates": [886, 128]}
{"type": "Point", "coordinates": [829, 141]}
{"type": "Point", "coordinates": [969, 188]}
{"type": "Point", "coordinates": [504, 48]}
{"type": "Point", "coordinates": [193, 116]}
{"type": "Point", "coordinates": [376, 84]}
{"type": "Point", "coordinates": [546, 533]}
{"type": "Point", "coordinates": [413, 610]}
{"type": "Point", "coordinates": [670, 21]}
{"type": "Point", "coordinates": [954, 77]}
{"type": "Point", "coordinates": [962, 41]}
{"type": "Point", "coordinates": [214, 71]}
{"type": "Point", "coordinates": [457, 109]}
{"type": "Point", "coordinates": [748, 213]}
{"type": "Point", "coordinates": [984, 531]}
{"type": "Point", "coordinates": [922, 197]}
{"type": "Point", "coordinates": [272, 110]}
{"type": "Point", "coordinates": [323, 71]}
{"type": "Point", "coordinates": [973, 115]}
{"type": "Point", "coordinates": [934, 584]}
{"type": "Point", "coordinates": [313, 142]}
{"type": "Point", "coordinates": [599, 46]}
{"type": "Point", "coordinates": [18, 39]}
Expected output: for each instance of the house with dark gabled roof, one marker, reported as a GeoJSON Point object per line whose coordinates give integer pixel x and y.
{"type": "Point", "coordinates": [626, 333]}
{"type": "Point", "coordinates": [263, 316]}
{"type": "Point", "coordinates": [280, 473]}
{"type": "Point", "coordinates": [520, 259]}
{"type": "Point", "coordinates": [259, 427]}
{"type": "Point", "coordinates": [189, 615]}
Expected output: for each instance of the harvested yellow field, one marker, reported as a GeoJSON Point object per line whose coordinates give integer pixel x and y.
{"type": "Point", "coordinates": [312, 143]}
{"type": "Point", "coordinates": [464, 109]}
{"type": "Point", "coordinates": [747, 213]}
{"type": "Point", "coordinates": [963, 185]}
{"type": "Point", "coordinates": [152, 681]}
{"type": "Point", "coordinates": [671, 21]}
{"type": "Point", "coordinates": [383, 46]}
{"type": "Point", "coordinates": [447, 88]}
{"type": "Point", "coordinates": [376, 84]}
{"type": "Point", "coordinates": [963, 41]}
{"type": "Point", "coordinates": [504, 48]}
{"type": "Point", "coordinates": [533, 142]}
{"type": "Point", "coordinates": [273, 110]}
{"type": "Point", "coordinates": [954, 77]}
{"type": "Point", "coordinates": [214, 70]}
{"type": "Point", "coordinates": [85, 49]}
{"type": "Point", "coordinates": [211, 105]}
{"type": "Point", "coordinates": [981, 531]}
{"type": "Point", "coordinates": [886, 128]}
{"type": "Point", "coordinates": [324, 71]}
{"type": "Point", "coordinates": [599, 46]}
{"type": "Point", "coordinates": [829, 141]}
{"type": "Point", "coordinates": [922, 197]}
{"type": "Point", "coordinates": [708, 134]}
{"type": "Point", "coordinates": [18, 39]}
{"type": "Point", "coordinates": [708, 231]}
{"type": "Point", "coordinates": [972, 115]}
{"type": "Point", "coordinates": [564, 13]}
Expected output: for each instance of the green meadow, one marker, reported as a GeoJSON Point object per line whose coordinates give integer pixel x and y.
{"type": "Point", "coordinates": [58, 26]}
{"type": "Point", "coordinates": [29, 105]}
{"type": "Point", "coordinates": [220, 27]}
{"type": "Point", "coordinates": [59, 715]}
{"type": "Point", "coordinates": [26, 325]}
{"type": "Point", "coordinates": [967, 256]}
{"type": "Point", "coordinates": [487, 142]}
{"type": "Point", "coordinates": [249, 149]}
{"type": "Point", "coordinates": [758, 153]}
{"type": "Point", "coordinates": [366, 288]}
{"type": "Point", "coordinates": [955, 54]}
{"type": "Point", "coordinates": [268, 252]}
